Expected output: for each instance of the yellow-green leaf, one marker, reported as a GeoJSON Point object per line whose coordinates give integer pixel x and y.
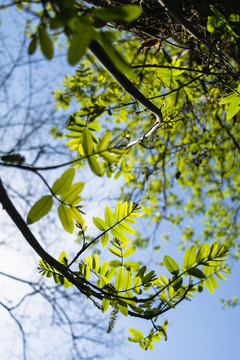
{"type": "Point", "coordinates": [171, 265]}
{"type": "Point", "coordinates": [189, 259]}
{"type": "Point", "coordinates": [129, 251]}
{"type": "Point", "coordinates": [40, 209]}
{"type": "Point", "coordinates": [104, 239]}
{"type": "Point", "coordinates": [63, 183]}
{"type": "Point", "coordinates": [99, 223]}
{"type": "Point", "coordinates": [109, 219]}
{"type": "Point", "coordinates": [66, 217]}
{"type": "Point", "coordinates": [119, 279]}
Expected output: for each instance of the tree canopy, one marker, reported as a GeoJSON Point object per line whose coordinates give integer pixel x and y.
{"type": "Point", "coordinates": [156, 102]}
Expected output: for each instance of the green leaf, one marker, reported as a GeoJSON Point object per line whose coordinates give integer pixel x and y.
{"type": "Point", "coordinates": [119, 234]}
{"type": "Point", "coordinates": [104, 239]}
{"type": "Point", "coordinates": [95, 263]}
{"type": "Point", "coordinates": [115, 263]}
{"type": "Point", "coordinates": [118, 214]}
{"type": "Point", "coordinates": [103, 143]}
{"type": "Point", "coordinates": [177, 284]}
{"type": "Point", "coordinates": [103, 268]}
{"type": "Point", "coordinates": [163, 297]}
{"type": "Point", "coordinates": [112, 159]}
{"type": "Point", "coordinates": [65, 216]}
{"type": "Point", "coordinates": [33, 45]}
{"type": "Point", "coordinates": [109, 219]}
{"type": "Point", "coordinates": [122, 306]}
{"type": "Point", "coordinates": [94, 165]}
{"type": "Point", "coordinates": [137, 334]}
{"type": "Point", "coordinates": [71, 195]}
{"type": "Point", "coordinates": [128, 280]}
{"type": "Point", "coordinates": [202, 253]}
{"type": "Point", "coordinates": [67, 284]}
{"type": "Point", "coordinates": [110, 273]}
{"type": "Point", "coordinates": [119, 279]}
{"type": "Point", "coordinates": [234, 107]}
{"type": "Point", "coordinates": [189, 258]}
{"type": "Point", "coordinates": [234, 18]}
{"type": "Point", "coordinates": [46, 44]}
{"type": "Point", "coordinates": [105, 304]}
{"type": "Point", "coordinates": [99, 223]}
{"type": "Point", "coordinates": [129, 251]}
{"type": "Point", "coordinates": [126, 228]}
{"type": "Point", "coordinates": [63, 183]}
{"type": "Point", "coordinates": [124, 13]}
{"type": "Point", "coordinates": [171, 265]}
{"type": "Point", "coordinates": [132, 265]}
{"type": "Point", "coordinates": [80, 40]}
{"type": "Point", "coordinates": [196, 272]}
{"type": "Point", "coordinates": [40, 209]}
{"type": "Point", "coordinates": [87, 142]}
{"type": "Point", "coordinates": [63, 258]}
{"type": "Point", "coordinates": [115, 252]}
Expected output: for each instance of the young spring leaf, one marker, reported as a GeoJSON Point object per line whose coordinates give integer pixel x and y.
{"type": "Point", "coordinates": [40, 209]}
{"type": "Point", "coordinates": [137, 335]}
{"type": "Point", "coordinates": [109, 219]}
{"type": "Point", "coordinates": [63, 183]}
{"type": "Point", "coordinates": [202, 253]}
{"type": "Point", "coordinates": [103, 143]}
{"type": "Point", "coordinates": [66, 218]}
{"type": "Point", "coordinates": [189, 258]}
{"type": "Point", "coordinates": [129, 251]}
{"type": "Point", "coordinates": [104, 239]}
{"type": "Point", "coordinates": [119, 279]}
{"type": "Point", "coordinates": [71, 195]}
{"type": "Point", "coordinates": [99, 223]}
{"type": "Point", "coordinates": [171, 265]}
{"type": "Point", "coordinates": [94, 165]}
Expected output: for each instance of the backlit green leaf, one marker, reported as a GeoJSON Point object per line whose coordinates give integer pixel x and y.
{"type": "Point", "coordinates": [126, 228]}
{"type": "Point", "coordinates": [129, 251]}
{"type": "Point", "coordinates": [63, 183]}
{"type": "Point", "coordinates": [105, 304]}
{"type": "Point", "coordinates": [99, 223]}
{"type": "Point", "coordinates": [115, 252]}
{"type": "Point", "coordinates": [103, 143]}
{"type": "Point", "coordinates": [189, 258]}
{"type": "Point", "coordinates": [119, 234]}
{"type": "Point", "coordinates": [71, 195]}
{"type": "Point", "coordinates": [94, 165]}
{"type": "Point", "coordinates": [87, 142]}
{"type": "Point", "coordinates": [104, 239]}
{"type": "Point", "coordinates": [119, 279]}
{"type": "Point", "coordinates": [202, 253]}
{"type": "Point", "coordinates": [40, 209]}
{"type": "Point", "coordinates": [171, 265]}
{"type": "Point", "coordinates": [66, 217]}
{"type": "Point", "coordinates": [137, 334]}
{"type": "Point", "coordinates": [109, 219]}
